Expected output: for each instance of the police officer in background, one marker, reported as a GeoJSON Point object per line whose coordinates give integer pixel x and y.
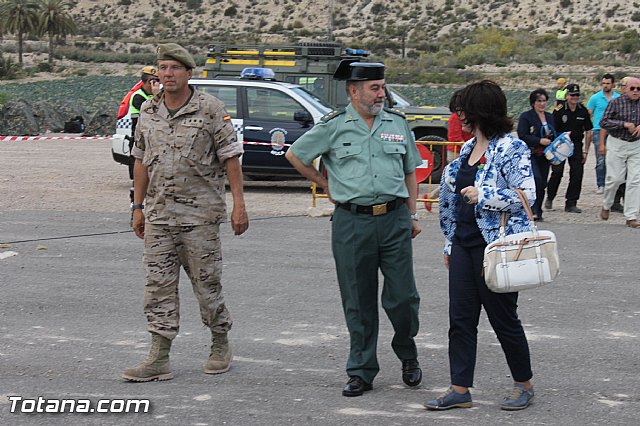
{"type": "Point", "coordinates": [561, 92]}
{"type": "Point", "coordinates": [185, 147]}
{"type": "Point", "coordinates": [370, 157]}
{"type": "Point", "coordinates": [575, 118]}
{"type": "Point", "coordinates": [150, 87]}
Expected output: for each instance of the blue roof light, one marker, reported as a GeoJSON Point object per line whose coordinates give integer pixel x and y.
{"type": "Point", "coordinates": [357, 52]}
{"type": "Point", "coordinates": [258, 74]}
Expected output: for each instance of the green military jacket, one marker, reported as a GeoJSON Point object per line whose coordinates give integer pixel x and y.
{"type": "Point", "coordinates": [365, 166]}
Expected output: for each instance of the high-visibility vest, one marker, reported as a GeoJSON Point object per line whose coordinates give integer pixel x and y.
{"type": "Point", "coordinates": [135, 111]}
{"type": "Point", "coordinates": [561, 95]}
{"type": "Point", "coordinates": [124, 104]}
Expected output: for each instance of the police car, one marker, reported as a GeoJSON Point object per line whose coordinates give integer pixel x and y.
{"type": "Point", "coordinates": [268, 117]}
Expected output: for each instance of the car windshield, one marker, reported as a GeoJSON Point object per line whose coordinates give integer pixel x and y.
{"type": "Point", "coordinates": [321, 105]}
{"type": "Point", "coordinates": [401, 102]}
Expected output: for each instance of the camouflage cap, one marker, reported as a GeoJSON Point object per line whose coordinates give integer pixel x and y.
{"type": "Point", "coordinates": [173, 51]}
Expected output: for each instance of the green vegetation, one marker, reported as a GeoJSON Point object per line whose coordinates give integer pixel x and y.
{"type": "Point", "coordinates": [8, 69]}
{"type": "Point", "coordinates": [55, 21]}
{"type": "Point", "coordinates": [93, 93]}
{"type": "Point", "coordinates": [36, 18]}
{"type": "Point", "coordinates": [19, 17]}
{"type": "Point", "coordinates": [517, 99]}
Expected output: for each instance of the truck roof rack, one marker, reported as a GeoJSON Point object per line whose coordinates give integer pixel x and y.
{"type": "Point", "coordinates": [304, 50]}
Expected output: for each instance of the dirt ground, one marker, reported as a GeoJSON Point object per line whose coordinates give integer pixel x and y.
{"type": "Point", "coordinates": [80, 175]}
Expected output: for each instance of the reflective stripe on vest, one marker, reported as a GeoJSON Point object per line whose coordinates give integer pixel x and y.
{"type": "Point", "coordinates": [135, 112]}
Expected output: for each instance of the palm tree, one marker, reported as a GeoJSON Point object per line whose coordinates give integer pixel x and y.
{"type": "Point", "coordinates": [55, 21]}
{"type": "Point", "coordinates": [20, 17]}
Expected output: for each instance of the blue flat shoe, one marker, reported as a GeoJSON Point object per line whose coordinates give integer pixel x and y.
{"type": "Point", "coordinates": [450, 399]}
{"type": "Point", "coordinates": [519, 399]}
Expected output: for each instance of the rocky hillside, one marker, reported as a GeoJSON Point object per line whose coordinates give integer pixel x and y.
{"type": "Point", "coordinates": [354, 20]}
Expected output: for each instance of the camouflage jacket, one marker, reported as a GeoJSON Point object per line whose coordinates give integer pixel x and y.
{"type": "Point", "coordinates": [184, 155]}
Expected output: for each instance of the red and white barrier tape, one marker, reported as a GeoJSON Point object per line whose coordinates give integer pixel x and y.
{"type": "Point", "coordinates": [52, 138]}
{"type": "Point", "coordinates": [266, 143]}
{"type": "Point", "coordinates": [99, 138]}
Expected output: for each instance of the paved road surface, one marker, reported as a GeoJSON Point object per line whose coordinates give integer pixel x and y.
{"type": "Point", "coordinates": [71, 319]}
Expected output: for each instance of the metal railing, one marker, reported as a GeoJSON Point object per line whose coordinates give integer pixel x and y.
{"type": "Point", "coordinates": [431, 186]}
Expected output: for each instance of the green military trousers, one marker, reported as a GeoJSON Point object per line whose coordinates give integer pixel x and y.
{"type": "Point", "coordinates": [363, 244]}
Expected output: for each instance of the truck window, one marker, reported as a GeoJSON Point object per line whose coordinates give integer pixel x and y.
{"type": "Point", "coordinates": [268, 104]}
{"type": "Point", "coordinates": [228, 96]}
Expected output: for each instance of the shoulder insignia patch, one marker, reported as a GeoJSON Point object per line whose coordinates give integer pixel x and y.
{"type": "Point", "coordinates": [395, 111]}
{"type": "Point", "coordinates": [332, 115]}
{"type": "Point", "coordinates": [558, 107]}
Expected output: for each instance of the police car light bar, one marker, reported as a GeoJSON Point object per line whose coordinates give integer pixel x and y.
{"type": "Point", "coordinates": [356, 52]}
{"type": "Point", "coordinates": [258, 74]}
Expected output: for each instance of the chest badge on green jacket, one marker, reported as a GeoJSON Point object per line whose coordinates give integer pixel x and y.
{"type": "Point", "coordinates": [390, 137]}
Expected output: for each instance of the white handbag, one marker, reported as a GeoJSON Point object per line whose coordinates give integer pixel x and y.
{"type": "Point", "coordinates": [521, 261]}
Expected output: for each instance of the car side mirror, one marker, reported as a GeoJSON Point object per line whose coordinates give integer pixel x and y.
{"type": "Point", "coordinates": [390, 102]}
{"type": "Point", "coordinates": [303, 117]}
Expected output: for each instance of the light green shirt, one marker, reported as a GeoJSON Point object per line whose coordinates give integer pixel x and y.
{"type": "Point", "coordinates": [365, 166]}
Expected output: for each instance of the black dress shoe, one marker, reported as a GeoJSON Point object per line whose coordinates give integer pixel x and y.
{"type": "Point", "coordinates": [617, 207]}
{"type": "Point", "coordinates": [356, 387]}
{"type": "Point", "coordinates": [411, 372]}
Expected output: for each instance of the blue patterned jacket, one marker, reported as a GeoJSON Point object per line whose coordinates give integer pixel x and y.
{"type": "Point", "coordinates": [508, 167]}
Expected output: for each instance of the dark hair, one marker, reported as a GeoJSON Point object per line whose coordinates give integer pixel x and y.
{"type": "Point", "coordinates": [453, 100]}
{"type": "Point", "coordinates": [609, 76]}
{"type": "Point", "coordinates": [485, 108]}
{"type": "Point", "coordinates": [147, 77]}
{"type": "Point", "coordinates": [533, 96]}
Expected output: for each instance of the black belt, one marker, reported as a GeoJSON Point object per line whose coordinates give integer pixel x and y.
{"type": "Point", "coordinates": [376, 209]}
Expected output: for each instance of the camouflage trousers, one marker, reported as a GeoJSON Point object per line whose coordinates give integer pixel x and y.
{"type": "Point", "coordinates": [197, 249]}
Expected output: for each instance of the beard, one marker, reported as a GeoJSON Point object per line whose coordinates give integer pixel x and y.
{"type": "Point", "coordinates": [373, 109]}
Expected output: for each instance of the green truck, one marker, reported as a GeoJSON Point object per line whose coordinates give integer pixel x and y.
{"type": "Point", "coordinates": [312, 65]}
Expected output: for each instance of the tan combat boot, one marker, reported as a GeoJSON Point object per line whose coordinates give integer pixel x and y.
{"type": "Point", "coordinates": [220, 358]}
{"type": "Point", "coordinates": [156, 366]}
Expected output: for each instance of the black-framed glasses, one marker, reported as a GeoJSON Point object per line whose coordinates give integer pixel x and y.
{"type": "Point", "coordinates": [634, 88]}
{"type": "Point", "coordinates": [573, 94]}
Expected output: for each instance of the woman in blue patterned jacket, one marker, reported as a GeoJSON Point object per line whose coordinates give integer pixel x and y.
{"type": "Point", "coordinates": [475, 189]}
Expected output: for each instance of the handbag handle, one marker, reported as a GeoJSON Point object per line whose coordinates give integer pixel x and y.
{"type": "Point", "coordinates": [525, 204]}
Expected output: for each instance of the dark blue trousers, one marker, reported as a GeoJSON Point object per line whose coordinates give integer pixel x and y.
{"type": "Point", "coordinates": [468, 294]}
{"type": "Point", "coordinates": [540, 166]}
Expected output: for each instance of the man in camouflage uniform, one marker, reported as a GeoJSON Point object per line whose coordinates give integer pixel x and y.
{"type": "Point", "coordinates": [184, 143]}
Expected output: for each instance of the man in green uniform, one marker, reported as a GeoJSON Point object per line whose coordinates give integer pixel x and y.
{"type": "Point", "coordinates": [370, 157]}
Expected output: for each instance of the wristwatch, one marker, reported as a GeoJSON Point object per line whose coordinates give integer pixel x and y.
{"type": "Point", "coordinates": [414, 216]}
{"type": "Point", "coordinates": [137, 206]}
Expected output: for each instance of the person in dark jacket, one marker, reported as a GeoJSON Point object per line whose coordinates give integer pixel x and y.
{"type": "Point", "coordinates": [571, 117]}
{"type": "Point", "coordinates": [536, 128]}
